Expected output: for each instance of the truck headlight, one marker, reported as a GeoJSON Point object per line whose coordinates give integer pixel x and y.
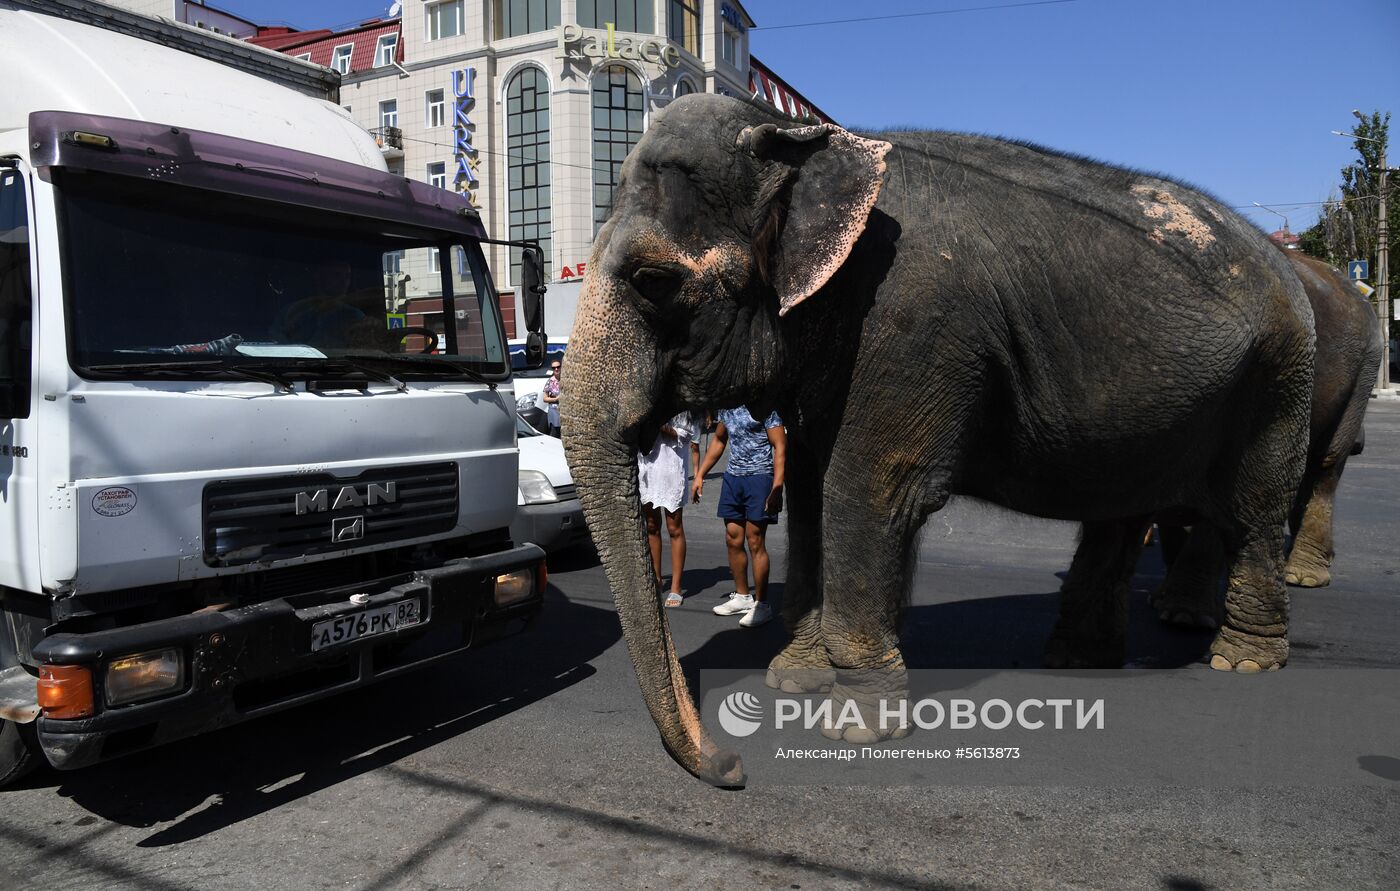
{"type": "Point", "coordinates": [535, 488]}
{"type": "Point", "coordinates": [513, 587]}
{"type": "Point", "coordinates": [144, 676]}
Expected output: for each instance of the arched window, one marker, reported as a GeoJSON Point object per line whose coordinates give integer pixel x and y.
{"type": "Point", "coordinates": [684, 88]}
{"type": "Point", "coordinates": [617, 125]}
{"type": "Point", "coordinates": [527, 167]}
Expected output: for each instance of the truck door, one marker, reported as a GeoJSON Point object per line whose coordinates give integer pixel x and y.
{"type": "Point", "coordinates": [17, 476]}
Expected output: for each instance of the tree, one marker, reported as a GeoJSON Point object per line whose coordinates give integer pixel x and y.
{"type": "Point", "coordinates": [1346, 229]}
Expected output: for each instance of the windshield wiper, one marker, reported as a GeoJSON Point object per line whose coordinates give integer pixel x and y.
{"type": "Point", "coordinates": [422, 364]}
{"type": "Point", "coordinates": [369, 371]}
{"type": "Point", "coordinates": [329, 366]}
{"type": "Point", "coordinates": [175, 367]}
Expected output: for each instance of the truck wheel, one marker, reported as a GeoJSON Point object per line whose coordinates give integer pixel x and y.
{"type": "Point", "coordinates": [18, 751]}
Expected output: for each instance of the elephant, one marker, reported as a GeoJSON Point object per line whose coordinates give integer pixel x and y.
{"type": "Point", "coordinates": [1348, 354]}
{"type": "Point", "coordinates": [1069, 339]}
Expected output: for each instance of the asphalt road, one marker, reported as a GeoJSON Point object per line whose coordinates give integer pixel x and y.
{"type": "Point", "coordinates": [533, 763]}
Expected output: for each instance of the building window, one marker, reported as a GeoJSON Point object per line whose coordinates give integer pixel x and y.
{"type": "Point", "coordinates": [729, 46]}
{"type": "Point", "coordinates": [516, 17]}
{"type": "Point", "coordinates": [384, 50]}
{"type": "Point", "coordinates": [437, 174]}
{"type": "Point", "coordinates": [340, 59]}
{"type": "Point", "coordinates": [305, 57]}
{"type": "Point", "coordinates": [389, 113]}
{"type": "Point", "coordinates": [444, 19]}
{"type": "Point", "coordinates": [437, 108]}
{"type": "Point", "coordinates": [684, 88]}
{"type": "Point", "coordinates": [684, 25]}
{"type": "Point", "coordinates": [434, 265]}
{"type": "Point", "coordinates": [393, 262]}
{"type": "Point", "coordinates": [625, 15]}
{"type": "Point", "coordinates": [617, 125]}
{"type": "Point", "coordinates": [527, 163]}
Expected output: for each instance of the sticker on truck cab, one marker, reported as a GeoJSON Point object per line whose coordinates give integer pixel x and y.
{"type": "Point", "coordinates": [114, 501]}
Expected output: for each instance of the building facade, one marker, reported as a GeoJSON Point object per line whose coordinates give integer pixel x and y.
{"type": "Point", "coordinates": [530, 106]}
{"type": "Point", "coordinates": [193, 13]}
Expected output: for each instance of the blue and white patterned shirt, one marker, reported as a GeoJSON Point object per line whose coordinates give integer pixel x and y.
{"type": "Point", "coordinates": [750, 452]}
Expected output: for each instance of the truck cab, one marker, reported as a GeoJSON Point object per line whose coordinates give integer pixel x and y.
{"type": "Point", "coordinates": [237, 473]}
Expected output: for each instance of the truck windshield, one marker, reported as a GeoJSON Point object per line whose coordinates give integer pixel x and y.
{"type": "Point", "coordinates": [167, 280]}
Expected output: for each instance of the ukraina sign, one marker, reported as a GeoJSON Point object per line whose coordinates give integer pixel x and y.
{"type": "Point", "coordinates": [463, 132]}
{"type": "Point", "coordinates": [577, 42]}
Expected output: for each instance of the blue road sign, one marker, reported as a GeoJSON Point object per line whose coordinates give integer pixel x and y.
{"type": "Point", "coordinates": [1358, 270]}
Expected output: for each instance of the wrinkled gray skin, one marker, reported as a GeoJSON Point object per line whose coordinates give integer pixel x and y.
{"type": "Point", "coordinates": [1344, 371]}
{"type": "Point", "coordinates": [1064, 338]}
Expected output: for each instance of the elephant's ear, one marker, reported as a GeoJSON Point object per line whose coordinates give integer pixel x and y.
{"type": "Point", "coordinates": [815, 196]}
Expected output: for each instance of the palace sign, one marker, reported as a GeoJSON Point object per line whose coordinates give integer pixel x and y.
{"type": "Point", "coordinates": [576, 42]}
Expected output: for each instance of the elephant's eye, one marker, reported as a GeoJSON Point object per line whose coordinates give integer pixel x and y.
{"type": "Point", "coordinates": [656, 283]}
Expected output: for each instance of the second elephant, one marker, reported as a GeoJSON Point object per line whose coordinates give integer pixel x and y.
{"type": "Point", "coordinates": [1346, 360]}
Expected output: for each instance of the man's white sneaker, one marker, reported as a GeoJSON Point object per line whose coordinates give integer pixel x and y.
{"type": "Point", "coordinates": [760, 613]}
{"type": "Point", "coordinates": [737, 603]}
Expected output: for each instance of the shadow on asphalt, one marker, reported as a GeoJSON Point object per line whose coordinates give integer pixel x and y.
{"type": "Point", "coordinates": [726, 845]}
{"type": "Point", "coordinates": [981, 633]}
{"type": "Point", "coordinates": [264, 764]}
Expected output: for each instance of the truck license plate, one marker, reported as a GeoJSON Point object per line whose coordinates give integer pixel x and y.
{"type": "Point", "coordinates": [366, 623]}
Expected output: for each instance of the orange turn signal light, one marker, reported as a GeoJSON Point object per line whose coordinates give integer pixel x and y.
{"type": "Point", "coordinates": [542, 579]}
{"type": "Point", "coordinates": [65, 691]}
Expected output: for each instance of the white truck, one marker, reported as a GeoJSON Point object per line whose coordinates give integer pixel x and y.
{"type": "Point", "coordinates": [238, 470]}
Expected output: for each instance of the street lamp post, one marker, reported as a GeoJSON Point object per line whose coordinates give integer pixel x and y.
{"type": "Point", "coordinates": [1382, 260]}
{"type": "Point", "coordinates": [1275, 213]}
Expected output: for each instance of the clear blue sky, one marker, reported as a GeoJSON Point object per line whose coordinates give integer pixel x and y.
{"type": "Point", "coordinates": [1235, 96]}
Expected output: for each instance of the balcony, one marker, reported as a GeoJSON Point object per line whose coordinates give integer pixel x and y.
{"type": "Point", "coordinates": [390, 140]}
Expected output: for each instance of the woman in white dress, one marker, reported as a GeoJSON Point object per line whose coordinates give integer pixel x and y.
{"type": "Point", "coordinates": [663, 479]}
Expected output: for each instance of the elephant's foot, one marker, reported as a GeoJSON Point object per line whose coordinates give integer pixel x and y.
{"type": "Point", "coordinates": [1307, 572]}
{"type": "Point", "coordinates": [869, 707]}
{"type": "Point", "coordinates": [802, 667]}
{"type": "Point", "coordinates": [1193, 606]}
{"type": "Point", "coordinates": [1187, 613]}
{"type": "Point", "coordinates": [1246, 653]}
{"type": "Point", "coordinates": [1067, 649]}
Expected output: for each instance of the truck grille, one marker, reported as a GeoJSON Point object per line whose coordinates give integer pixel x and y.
{"type": "Point", "coordinates": [261, 520]}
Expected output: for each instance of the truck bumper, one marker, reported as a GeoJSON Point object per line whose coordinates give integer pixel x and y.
{"type": "Point", "coordinates": [257, 659]}
{"type": "Point", "coordinates": [553, 526]}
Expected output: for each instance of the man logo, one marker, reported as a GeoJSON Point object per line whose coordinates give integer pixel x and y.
{"type": "Point", "coordinates": [740, 714]}
{"type": "Point", "coordinates": [347, 529]}
{"type": "Point", "coordinates": [347, 496]}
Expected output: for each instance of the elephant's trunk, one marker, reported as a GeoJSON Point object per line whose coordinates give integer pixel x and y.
{"type": "Point", "coordinates": [606, 394]}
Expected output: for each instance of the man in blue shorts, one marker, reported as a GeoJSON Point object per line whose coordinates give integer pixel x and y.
{"type": "Point", "coordinates": [750, 499]}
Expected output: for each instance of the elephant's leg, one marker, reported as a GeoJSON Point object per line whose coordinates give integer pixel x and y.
{"type": "Point", "coordinates": [1254, 636]}
{"type": "Point", "coordinates": [803, 666]}
{"type": "Point", "coordinates": [1092, 626]}
{"type": "Point", "coordinates": [867, 564]}
{"type": "Point", "coordinates": [1190, 593]}
{"type": "Point", "coordinates": [1310, 561]}
{"type": "Point", "coordinates": [870, 672]}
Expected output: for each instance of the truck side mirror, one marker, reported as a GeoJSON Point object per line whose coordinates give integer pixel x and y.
{"type": "Point", "coordinates": [532, 289]}
{"type": "Point", "coordinates": [534, 350]}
